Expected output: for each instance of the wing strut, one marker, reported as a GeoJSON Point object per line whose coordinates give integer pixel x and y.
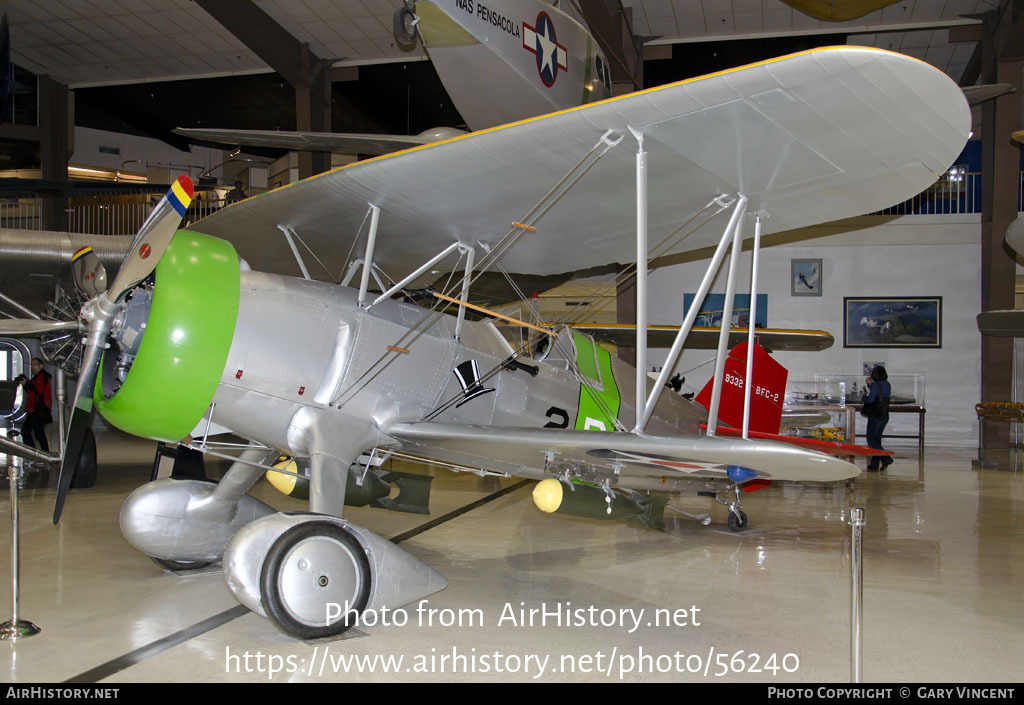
{"type": "Point", "coordinates": [641, 277]}
{"type": "Point", "coordinates": [371, 241]}
{"type": "Point", "coordinates": [466, 281]}
{"type": "Point", "coordinates": [725, 328]}
{"type": "Point", "coordinates": [425, 267]}
{"type": "Point", "coordinates": [750, 330]}
{"type": "Point", "coordinates": [691, 315]}
{"type": "Point", "coordinates": [289, 236]}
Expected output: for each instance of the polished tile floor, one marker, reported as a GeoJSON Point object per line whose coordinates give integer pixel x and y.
{"type": "Point", "coordinates": [943, 563]}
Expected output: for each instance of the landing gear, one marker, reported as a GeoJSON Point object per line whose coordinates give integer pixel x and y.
{"type": "Point", "coordinates": [737, 520]}
{"type": "Point", "coordinates": [315, 580]}
{"type": "Point", "coordinates": [405, 22]}
{"type": "Point", "coordinates": [177, 566]}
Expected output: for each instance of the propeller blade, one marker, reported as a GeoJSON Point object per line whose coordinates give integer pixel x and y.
{"type": "Point", "coordinates": [88, 272]}
{"type": "Point", "coordinates": [153, 238]}
{"type": "Point", "coordinates": [81, 421]}
{"type": "Point", "coordinates": [27, 327]}
{"type": "Point", "coordinates": [81, 417]}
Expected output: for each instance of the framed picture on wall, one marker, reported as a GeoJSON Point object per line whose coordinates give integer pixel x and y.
{"type": "Point", "coordinates": [805, 277]}
{"type": "Point", "coordinates": [710, 314]}
{"type": "Point", "coordinates": [892, 322]}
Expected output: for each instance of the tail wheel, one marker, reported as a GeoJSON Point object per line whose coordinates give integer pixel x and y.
{"type": "Point", "coordinates": [737, 520]}
{"type": "Point", "coordinates": [312, 567]}
{"type": "Point", "coordinates": [405, 27]}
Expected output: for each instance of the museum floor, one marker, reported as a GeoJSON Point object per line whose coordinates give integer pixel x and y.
{"type": "Point", "coordinates": [944, 573]}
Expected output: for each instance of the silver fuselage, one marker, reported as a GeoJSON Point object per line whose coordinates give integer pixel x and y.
{"type": "Point", "coordinates": [305, 353]}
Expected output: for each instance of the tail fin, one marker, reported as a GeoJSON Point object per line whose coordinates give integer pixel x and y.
{"type": "Point", "coordinates": [766, 398]}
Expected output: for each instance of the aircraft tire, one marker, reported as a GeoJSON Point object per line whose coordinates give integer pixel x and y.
{"type": "Point", "coordinates": [177, 566]}
{"type": "Point", "coordinates": [405, 31]}
{"type": "Point", "coordinates": [737, 523]}
{"type": "Point", "coordinates": [309, 566]}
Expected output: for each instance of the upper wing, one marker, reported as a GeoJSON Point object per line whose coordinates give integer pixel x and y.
{"type": "Point", "coordinates": [627, 456]}
{"type": "Point", "coordinates": [701, 338]}
{"type": "Point", "coordinates": [812, 137]}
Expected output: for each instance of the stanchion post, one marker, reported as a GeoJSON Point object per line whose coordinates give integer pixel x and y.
{"type": "Point", "coordinates": [15, 628]}
{"type": "Point", "coordinates": [856, 592]}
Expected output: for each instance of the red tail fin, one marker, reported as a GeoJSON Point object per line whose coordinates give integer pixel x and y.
{"type": "Point", "coordinates": [766, 398]}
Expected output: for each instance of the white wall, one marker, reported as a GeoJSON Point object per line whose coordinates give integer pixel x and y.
{"type": "Point", "coordinates": [912, 256]}
{"type": "Point", "coordinates": [137, 152]}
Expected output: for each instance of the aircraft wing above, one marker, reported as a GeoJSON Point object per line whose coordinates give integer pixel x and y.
{"type": "Point", "coordinates": [1002, 324]}
{"type": "Point", "coordinates": [811, 137]}
{"type": "Point", "coordinates": [627, 455]}
{"type": "Point", "coordinates": [1015, 231]}
{"type": "Point", "coordinates": [702, 338]}
{"type": "Point", "coordinates": [309, 141]}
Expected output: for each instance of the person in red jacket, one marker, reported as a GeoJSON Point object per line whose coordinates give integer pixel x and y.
{"type": "Point", "coordinates": [38, 405]}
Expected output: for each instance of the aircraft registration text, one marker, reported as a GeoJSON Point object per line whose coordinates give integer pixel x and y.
{"type": "Point", "coordinates": [490, 16]}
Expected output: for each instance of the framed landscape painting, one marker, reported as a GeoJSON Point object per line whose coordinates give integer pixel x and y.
{"type": "Point", "coordinates": [892, 322]}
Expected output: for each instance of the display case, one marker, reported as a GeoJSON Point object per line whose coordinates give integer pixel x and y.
{"type": "Point", "coordinates": [826, 389]}
{"type": "Point", "coordinates": [822, 405]}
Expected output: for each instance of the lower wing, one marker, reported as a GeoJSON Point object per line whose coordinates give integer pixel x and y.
{"type": "Point", "coordinates": [625, 459]}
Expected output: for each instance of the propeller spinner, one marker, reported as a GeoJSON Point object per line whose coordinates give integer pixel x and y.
{"type": "Point", "coordinates": [88, 272]}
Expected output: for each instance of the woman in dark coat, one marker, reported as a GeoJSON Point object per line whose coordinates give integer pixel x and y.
{"type": "Point", "coordinates": [877, 397]}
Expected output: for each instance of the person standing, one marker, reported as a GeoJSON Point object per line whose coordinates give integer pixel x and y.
{"type": "Point", "coordinates": [876, 409]}
{"type": "Point", "coordinates": [38, 405]}
{"type": "Point", "coordinates": [235, 194]}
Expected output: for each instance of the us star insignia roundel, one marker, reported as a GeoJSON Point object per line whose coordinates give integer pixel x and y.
{"type": "Point", "coordinates": [551, 56]}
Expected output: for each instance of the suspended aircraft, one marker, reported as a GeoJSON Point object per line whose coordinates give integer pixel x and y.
{"type": "Point", "coordinates": [1008, 323]}
{"type": "Point", "coordinates": [195, 336]}
{"type": "Point", "coordinates": [499, 62]}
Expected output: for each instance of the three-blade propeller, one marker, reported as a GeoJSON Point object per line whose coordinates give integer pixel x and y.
{"type": "Point", "coordinates": [99, 312]}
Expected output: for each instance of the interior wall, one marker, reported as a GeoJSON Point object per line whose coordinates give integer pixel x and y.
{"type": "Point", "coordinates": [923, 256]}
{"type": "Point", "coordinates": [135, 153]}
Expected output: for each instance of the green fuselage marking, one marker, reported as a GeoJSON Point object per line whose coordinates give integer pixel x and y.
{"type": "Point", "coordinates": [599, 399]}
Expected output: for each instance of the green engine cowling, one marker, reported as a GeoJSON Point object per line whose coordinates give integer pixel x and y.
{"type": "Point", "coordinates": [188, 335]}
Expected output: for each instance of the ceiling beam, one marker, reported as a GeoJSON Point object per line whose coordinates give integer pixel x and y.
{"type": "Point", "coordinates": [305, 71]}
{"type": "Point", "coordinates": [262, 35]}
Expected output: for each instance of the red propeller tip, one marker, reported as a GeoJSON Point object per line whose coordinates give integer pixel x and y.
{"type": "Point", "coordinates": [186, 184]}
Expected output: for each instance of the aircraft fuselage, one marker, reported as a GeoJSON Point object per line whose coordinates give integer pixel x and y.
{"type": "Point", "coordinates": [534, 56]}
{"type": "Point", "coordinates": [305, 353]}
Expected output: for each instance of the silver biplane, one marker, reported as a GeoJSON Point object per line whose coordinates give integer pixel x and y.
{"type": "Point", "coordinates": [226, 326]}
